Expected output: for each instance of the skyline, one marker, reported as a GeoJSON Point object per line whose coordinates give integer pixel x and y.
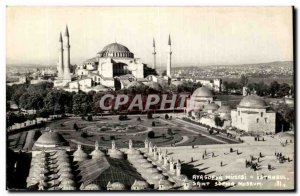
{"type": "Point", "coordinates": [241, 27]}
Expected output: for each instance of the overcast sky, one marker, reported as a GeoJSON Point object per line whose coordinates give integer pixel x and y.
{"type": "Point", "coordinates": [200, 35]}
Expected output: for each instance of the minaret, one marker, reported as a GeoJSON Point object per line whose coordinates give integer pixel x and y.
{"type": "Point", "coordinates": [60, 65]}
{"type": "Point", "coordinates": [67, 74]}
{"type": "Point", "coordinates": [169, 62]}
{"type": "Point", "coordinates": [154, 55]}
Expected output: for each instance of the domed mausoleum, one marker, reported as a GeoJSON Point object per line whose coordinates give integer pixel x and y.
{"type": "Point", "coordinates": [253, 115]}
{"type": "Point", "coordinates": [200, 98]}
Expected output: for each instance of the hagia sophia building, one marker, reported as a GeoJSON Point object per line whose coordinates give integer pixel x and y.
{"type": "Point", "coordinates": [114, 67]}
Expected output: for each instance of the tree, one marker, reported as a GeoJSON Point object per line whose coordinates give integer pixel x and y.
{"type": "Point", "coordinates": [244, 80]}
{"type": "Point", "coordinates": [284, 90]}
{"type": "Point", "coordinates": [151, 134]}
{"type": "Point", "coordinates": [149, 71]}
{"type": "Point", "coordinates": [219, 122]}
{"type": "Point", "coordinates": [274, 88]}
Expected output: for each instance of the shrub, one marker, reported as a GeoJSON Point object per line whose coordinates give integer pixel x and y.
{"type": "Point", "coordinates": [149, 115]}
{"type": "Point", "coordinates": [122, 117]}
{"type": "Point", "coordinates": [139, 119]}
{"type": "Point", "coordinates": [151, 134]}
{"type": "Point", "coordinates": [153, 124]}
{"type": "Point", "coordinates": [84, 135]}
{"type": "Point", "coordinates": [166, 116]}
{"type": "Point", "coordinates": [90, 118]}
{"type": "Point", "coordinates": [170, 131]}
{"type": "Point", "coordinates": [211, 131]}
{"type": "Point", "coordinates": [75, 126]}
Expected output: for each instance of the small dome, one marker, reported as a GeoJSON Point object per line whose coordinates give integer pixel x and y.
{"type": "Point", "coordinates": [65, 169]}
{"type": "Point", "coordinates": [135, 157]}
{"type": "Point", "coordinates": [224, 109]}
{"type": "Point", "coordinates": [211, 106]}
{"type": "Point", "coordinates": [117, 154]}
{"type": "Point", "coordinates": [66, 182]}
{"type": "Point", "coordinates": [141, 161]}
{"type": "Point", "coordinates": [182, 177]}
{"type": "Point", "coordinates": [139, 185]}
{"type": "Point", "coordinates": [65, 175]}
{"type": "Point", "coordinates": [151, 170]}
{"type": "Point", "coordinates": [96, 154]}
{"type": "Point", "coordinates": [253, 101]}
{"type": "Point", "coordinates": [202, 92]}
{"type": "Point", "coordinates": [50, 139]}
{"type": "Point", "coordinates": [79, 154]}
{"type": "Point", "coordinates": [93, 187]}
{"type": "Point", "coordinates": [133, 151]}
{"type": "Point", "coordinates": [118, 186]}
{"type": "Point", "coordinates": [158, 176]}
{"type": "Point", "coordinates": [64, 164]}
{"type": "Point", "coordinates": [68, 188]}
{"type": "Point", "coordinates": [146, 165]}
{"type": "Point", "coordinates": [166, 183]}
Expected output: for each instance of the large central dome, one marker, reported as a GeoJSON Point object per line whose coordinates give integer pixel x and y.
{"type": "Point", "coordinates": [115, 50]}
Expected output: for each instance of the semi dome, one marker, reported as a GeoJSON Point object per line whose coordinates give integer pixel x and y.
{"type": "Point", "coordinates": [50, 139]}
{"type": "Point", "coordinates": [202, 92]}
{"type": "Point", "coordinates": [253, 101]}
{"type": "Point", "coordinates": [115, 50]}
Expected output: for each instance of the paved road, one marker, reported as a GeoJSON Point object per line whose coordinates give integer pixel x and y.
{"type": "Point", "coordinates": [203, 130]}
{"type": "Point", "coordinates": [195, 132]}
